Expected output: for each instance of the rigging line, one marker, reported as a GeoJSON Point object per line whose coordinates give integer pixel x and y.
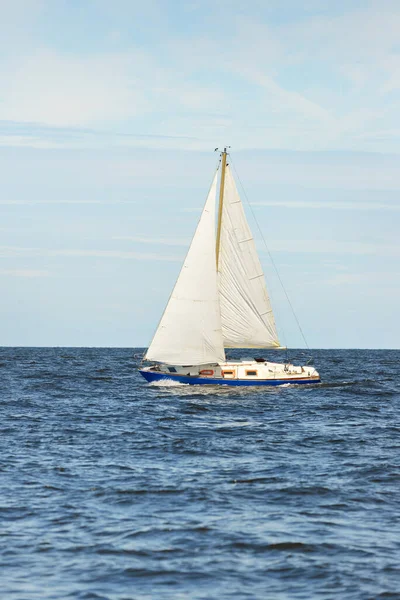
{"type": "Point", "coordinates": [270, 255]}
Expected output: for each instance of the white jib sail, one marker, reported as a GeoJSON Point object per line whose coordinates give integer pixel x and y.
{"type": "Point", "coordinates": [246, 313]}
{"type": "Point", "coordinates": [189, 332]}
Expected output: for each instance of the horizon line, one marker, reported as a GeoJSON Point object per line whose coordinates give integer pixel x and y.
{"type": "Point", "coordinates": [229, 349]}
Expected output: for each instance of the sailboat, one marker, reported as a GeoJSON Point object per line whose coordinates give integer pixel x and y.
{"type": "Point", "coordinates": [220, 301]}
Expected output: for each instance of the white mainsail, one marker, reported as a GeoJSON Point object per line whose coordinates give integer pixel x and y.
{"type": "Point", "coordinates": [189, 332]}
{"type": "Point", "coordinates": [246, 313]}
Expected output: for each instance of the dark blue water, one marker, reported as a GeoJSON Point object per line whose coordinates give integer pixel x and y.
{"type": "Point", "coordinates": [114, 489]}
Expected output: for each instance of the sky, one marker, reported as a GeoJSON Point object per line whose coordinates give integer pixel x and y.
{"type": "Point", "coordinates": [109, 116]}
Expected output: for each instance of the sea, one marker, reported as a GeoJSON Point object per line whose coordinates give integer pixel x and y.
{"type": "Point", "coordinates": [115, 489]}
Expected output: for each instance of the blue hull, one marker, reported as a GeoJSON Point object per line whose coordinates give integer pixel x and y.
{"type": "Point", "coordinates": [154, 376]}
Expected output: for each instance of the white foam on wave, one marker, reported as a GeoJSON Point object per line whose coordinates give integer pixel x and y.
{"type": "Point", "coordinates": [167, 383]}
{"type": "Point", "coordinates": [223, 424]}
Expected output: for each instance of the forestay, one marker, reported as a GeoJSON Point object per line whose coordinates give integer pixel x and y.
{"type": "Point", "coordinates": [189, 332]}
{"type": "Point", "coordinates": [246, 313]}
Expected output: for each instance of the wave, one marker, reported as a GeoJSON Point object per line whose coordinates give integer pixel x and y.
{"type": "Point", "coordinates": [167, 383]}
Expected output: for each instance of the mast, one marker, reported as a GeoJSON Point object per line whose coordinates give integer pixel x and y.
{"type": "Point", "coordinates": [221, 203]}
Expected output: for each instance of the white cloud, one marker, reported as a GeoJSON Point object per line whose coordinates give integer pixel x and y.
{"type": "Point", "coordinates": [232, 87]}
{"type": "Point", "coordinates": [335, 172]}
{"type": "Point", "coordinates": [316, 246]}
{"type": "Point", "coordinates": [69, 91]}
{"type": "Point", "coordinates": [283, 101]}
{"type": "Point", "coordinates": [301, 204]}
{"type": "Point", "coordinates": [62, 201]}
{"type": "Point", "coordinates": [155, 241]}
{"type": "Point", "coordinates": [379, 278]}
{"type": "Point", "coordinates": [33, 201]}
{"type": "Point", "coordinates": [21, 252]}
{"type": "Point", "coordinates": [367, 34]}
{"type": "Point", "coordinates": [24, 273]}
{"type": "Point", "coordinates": [114, 254]}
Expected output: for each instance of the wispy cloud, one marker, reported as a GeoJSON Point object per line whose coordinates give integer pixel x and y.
{"type": "Point", "coordinates": [318, 79]}
{"type": "Point", "coordinates": [339, 205]}
{"type": "Point", "coordinates": [115, 254]}
{"type": "Point", "coordinates": [60, 201]}
{"type": "Point", "coordinates": [26, 134]}
{"type": "Point", "coordinates": [154, 241]}
{"type": "Point", "coordinates": [314, 246]}
{"type": "Point", "coordinates": [359, 279]}
{"type": "Point", "coordinates": [332, 247]}
{"type": "Point", "coordinates": [24, 273]}
{"type": "Point", "coordinates": [79, 91]}
{"type": "Point", "coordinates": [19, 252]}
{"type": "Point", "coordinates": [34, 201]}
